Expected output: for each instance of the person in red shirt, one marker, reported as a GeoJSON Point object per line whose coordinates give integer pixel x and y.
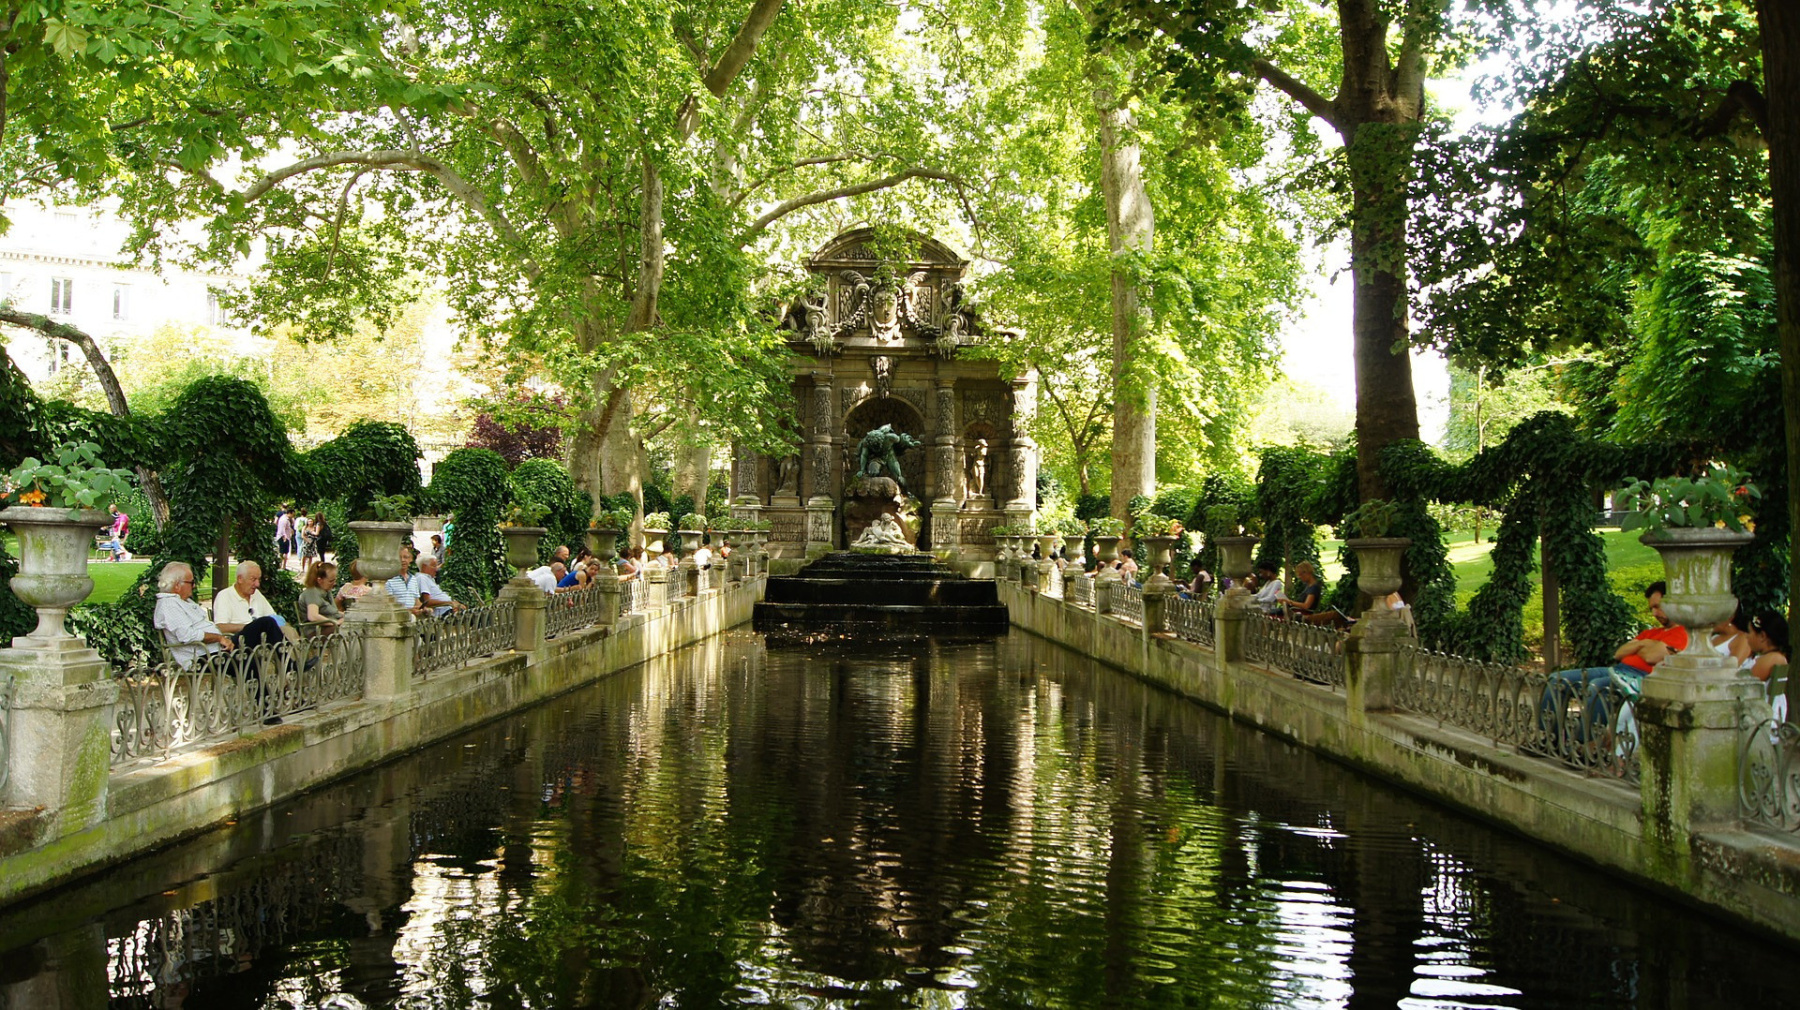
{"type": "Point", "coordinates": [1631, 662]}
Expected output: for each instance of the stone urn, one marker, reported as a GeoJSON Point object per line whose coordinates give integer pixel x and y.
{"type": "Point", "coordinates": [53, 562]}
{"type": "Point", "coordinates": [1697, 564]}
{"type": "Point", "coordinates": [379, 544]}
{"type": "Point", "coordinates": [1106, 551]}
{"type": "Point", "coordinates": [653, 536]}
{"type": "Point", "coordinates": [690, 542]}
{"type": "Point", "coordinates": [1234, 558]}
{"type": "Point", "coordinates": [1378, 561]}
{"type": "Point", "coordinates": [1047, 544]}
{"type": "Point", "coordinates": [522, 546]}
{"type": "Point", "coordinates": [1160, 549]}
{"type": "Point", "coordinates": [604, 543]}
{"type": "Point", "coordinates": [1072, 545]}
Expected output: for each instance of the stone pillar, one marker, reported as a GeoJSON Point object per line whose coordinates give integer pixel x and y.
{"type": "Point", "coordinates": [1021, 451]}
{"type": "Point", "coordinates": [389, 634]}
{"type": "Point", "coordinates": [656, 592]}
{"type": "Point", "coordinates": [60, 754]}
{"type": "Point", "coordinates": [1690, 719]}
{"type": "Point", "coordinates": [533, 613]}
{"type": "Point", "coordinates": [821, 501]}
{"type": "Point", "coordinates": [1233, 610]}
{"type": "Point", "coordinates": [745, 465]}
{"type": "Point", "coordinates": [608, 584]}
{"type": "Point", "coordinates": [945, 525]}
{"type": "Point", "coordinates": [1156, 613]}
{"type": "Point", "coordinates": [1375, 655]}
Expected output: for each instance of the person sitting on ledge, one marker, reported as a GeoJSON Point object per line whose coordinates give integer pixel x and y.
{"type": "Point", "coordinates": [242, 610]}
{"type": "Point", "coordinates": [1631, 663]}
{"type": "Point", "coordinates": [1268, 588]}
{"type": "Point", "coordinates": [1306, 602]}
{"type": "Point", "coordinates": [431, 594]}
{"type": "Point", "coordinates": [187, 630]}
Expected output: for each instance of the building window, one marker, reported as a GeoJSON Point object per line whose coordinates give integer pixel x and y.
{"type": "Point", "coordinates": [121, 301]}
{"type": "Point", "coordinates": [215, 312]}
{"type": "Point", "coordinates": [5, 286]}
{"type": "Point", "coordinates": [56, 352]}
{"type": "Point", "coordinates": [62, 296]}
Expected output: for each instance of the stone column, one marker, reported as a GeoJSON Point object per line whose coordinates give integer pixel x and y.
{"type": "Point", "coordinates": [1375, 655]}
{"type": "Point", "coordinates": [820, 502]}
{"type": "Point", "coordinates": [60, 756]}
{"type": "Point", "coordinates": [1156, 613]}
{"type": "Point", "coordinates": [389, 635]}
{"type": "Point", "coordinates": [533, 613]}
{"type": "Point", "coordinates": [1021, 451]}
{"type": "Point", "coordinates": [945, 524]}
{"type": "Point", "coordinates": [656, 592]}
{"type": "Point", "coordinates": [746, 470]}
{"type": "Point", "coordinates": [1690, 717]}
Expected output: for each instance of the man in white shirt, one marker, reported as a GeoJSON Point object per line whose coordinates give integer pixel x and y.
{"type": "Point", "coordinates": [545, 577]}
{"type": "Point", "coordinates": [430, 593]}
{"type": "Point", "coordinates": [243, 612]}
{"type": "Point", "coordinates": [183, 623]}
{"type": "Point", "coordinates": [703, 557]}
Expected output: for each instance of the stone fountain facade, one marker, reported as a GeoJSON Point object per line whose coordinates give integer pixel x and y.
{"type": "Point", "coordinates": [878, 341]}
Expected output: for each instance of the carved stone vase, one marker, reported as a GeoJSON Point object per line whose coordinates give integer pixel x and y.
{"type": "Point", "coordinates": [690, 542]}
{"type": "Point", "coordinates": [53, 562]}
{"type": "Point", "coordinates": [1378, 561]}
{"type": "Point", "coordinates": [522, 546]}
{"type": "Point", "coordinates": [1047, 544]}
{"type": "Point", "coordinates": [604, 543]}
{"type": "Point", "coordinates": [1106, 551]}
{"type": "Point", "coordinates": [379, 548]}
{"type": "Point", "coordinates": [1697, 564]}
{"type": "Point", "coordinates": [1072, 549]}
{"type": "Point", "coordinates": [653, 538]}
{"type": "Point", "coordinates": [1160, 550]}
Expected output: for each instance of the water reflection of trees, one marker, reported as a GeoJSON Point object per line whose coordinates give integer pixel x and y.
{"type": "Point", "coordinates": [979, 824]}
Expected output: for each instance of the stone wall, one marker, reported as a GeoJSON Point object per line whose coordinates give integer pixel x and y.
{"type": "Point", "coordinates": [1752, 876]}
{"type": "Point", "coordinates": [150, 806]}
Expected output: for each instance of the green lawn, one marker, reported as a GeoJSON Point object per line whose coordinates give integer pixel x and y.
{"type": "Point", "coordinates": [111, 580]}
{"type": "Point", "coordinates": [1629, 565]}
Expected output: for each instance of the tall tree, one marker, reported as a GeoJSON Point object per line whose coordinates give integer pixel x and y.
{"type": "Point", "coordinates": [1363, 75]}
{"type": "Point", "coordinates": [1780, 24]}
{"type": "Point", "coordinates": [589, 180]}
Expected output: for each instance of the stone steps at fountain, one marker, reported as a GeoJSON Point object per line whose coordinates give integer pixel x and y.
{"type": "Point", "coordinates": [899, 592]}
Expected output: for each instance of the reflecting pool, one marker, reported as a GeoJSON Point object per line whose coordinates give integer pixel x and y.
{"type": "Point", "coordinates": [931, 824]}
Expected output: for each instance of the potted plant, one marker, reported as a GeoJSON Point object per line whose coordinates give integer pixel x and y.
{"type": "Point", "coordinates": [1107, 533]}
{"type": "Point", "coordinates": [1158, 533]}
{"type": "Point", "coordinates": [1695, 523]}
{"type": "Point", "coordinates": [55, 522]}
{"type": "Point", "coordinates": [1378, 556]}
{"type": "Point", "coordinates": [693, 527]}
{"type": "Point", "coordinates": [385, 524]}
{"type": "Point", "coordinates": [520, 528]}
{"type": "Point", "coordinates": [1074, 537]}
{"type": "Point", "coordinates": [605, 529]}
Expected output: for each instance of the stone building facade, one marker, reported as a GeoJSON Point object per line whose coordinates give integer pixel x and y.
{"type": "Point", "coordinates": [883, 342]}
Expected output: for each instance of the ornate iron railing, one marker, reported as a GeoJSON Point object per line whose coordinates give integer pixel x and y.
{"type": "Point", "coordinates": [164, 708]}
{"type": "Point", "coordinates": [1769, 773]}
{"type": "Point", "coordinates": [632, 596]}
{"type": "Point", "coordinates": [574, 610]}
{"type": "Point", "coordinates": [1079, 590]}
{"type": "Point", "coordinates": [458, 637]}
{"type": "Point", "coordinates": [1311, 652]}
{"type": "Point", "coordinates": [1190, 619]}
{"type": "Point", "coordinates": [1586, 722]}
{"type": "Point", "coordinates": [1127, 602]}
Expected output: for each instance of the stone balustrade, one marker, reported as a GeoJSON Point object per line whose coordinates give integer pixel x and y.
{"type": "Point", "coordinates": [1631, 784]}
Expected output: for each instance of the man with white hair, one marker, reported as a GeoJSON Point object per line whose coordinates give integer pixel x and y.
{"type": "Point", "coordinates": [241, 609]}
{"type": "Point", "coordinates": [545, 577]}
{"type": "Point", "coordinates": [189, 633]}
{"type": "Point", "coordinates": [430, 593]}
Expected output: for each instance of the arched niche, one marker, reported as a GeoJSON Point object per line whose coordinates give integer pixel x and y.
{"type": "Point", "coordinates": [877, 411]}
{"type": "Point", "coordinates": [972, 435]}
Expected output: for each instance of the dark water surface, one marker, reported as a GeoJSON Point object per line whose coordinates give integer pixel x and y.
{"type": "Point", "coordinates": [997, 824]}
